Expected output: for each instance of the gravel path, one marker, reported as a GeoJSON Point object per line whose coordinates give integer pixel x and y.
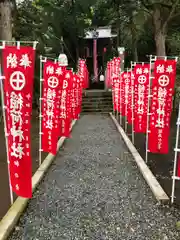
{"type": "Point", "coordinates": [94, 191]}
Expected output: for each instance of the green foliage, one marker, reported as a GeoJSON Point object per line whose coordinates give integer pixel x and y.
{"type": "Point", "coordinates": [178, 225]}
{"type": "Point", "coordinates": [49, 20]}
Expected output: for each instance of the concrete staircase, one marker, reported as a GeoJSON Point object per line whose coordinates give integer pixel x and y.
{"type": "Point", "coordinates": [97, 101]}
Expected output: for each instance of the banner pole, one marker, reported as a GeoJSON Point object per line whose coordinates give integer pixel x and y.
{"type": "Point", "coordinates": [49, 58]}
{"type": "Point", "coordinates": [175, 156]}
{"type": "Point", "coordinates": [148, 108]}
{"type": "Point", "coordinates": [42, 60]}
{"type": "Point", "coordinates": [176, 150]}
{"type": "Point", "coordinates": [132, 101]}
{"type": "Point", "coordinates": [6, 135]}
{"type": "Point", "coordinates": [164, 57]}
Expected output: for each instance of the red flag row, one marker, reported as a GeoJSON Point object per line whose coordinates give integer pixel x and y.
{"type": "Point", "coordinates": [131, 91]}
{"type": "Point", "coordinates": [61, 103]}
{"type": "Point", "coordinates": [62, 93]}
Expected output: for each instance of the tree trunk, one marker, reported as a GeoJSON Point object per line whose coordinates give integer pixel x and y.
{"type": "Point", "coordinates": [135, 50]}
{"type": "Point", "coordinates": [122, 61]}
{"type": "Point", "coordinates": [118, 37]}
{"type": "Point", "coordinates": [160, 39]}
{"type": "Point", "coordinates": [6, 20]}
{"type": "Point", "coordinates": [77, 53]}
{"type": "Point", "coordinates": [134, 41]}
{"type": "Point", "coordinates": [159, 33]}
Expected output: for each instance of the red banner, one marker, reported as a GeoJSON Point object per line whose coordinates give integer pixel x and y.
{"type": "Point", "coordinates": [141, 87]}
{"type": "Point", "coordinates": [178, 165]}
{"type": "Point", "coordinates": [116, 83]}
{"type": "Point", "coordinates": [122, 92]}
{"type": "Point", "coordinates": [112, 71]}
{"type": "Point", "coordinates": [65, 104]}
{"type": "Point", "coordinates": [78, 96]}
{"type": "Point", "coordinates": [74, 99]}
{"type": "Point", "coordinates": [116, 93]}
{"type": "Point", "coordinates": [18, 70]}
{"type": "Point", "coordinates": [52, 80]}
{"type": "Point", "coordinates": [125, 83]}
{"type": "Point", "coordinates": [117, 61]}
{"type": "Point", "coordinates": [83, 73]}
{"type": "Point", "coordinates": [161, 105]}
{"type": "Point", "coordinates": [130, 98]}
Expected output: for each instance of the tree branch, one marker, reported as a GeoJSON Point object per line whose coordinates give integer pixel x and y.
{"type": "Point", "coordinates": [165, 5]}
{"type": "Point", "coordinates": [174, 16]}
{"type": "Point", "coordinates": [147, 4]}
{"type": "Point", "coordinates": [147, 11]}
{"type": "Point", "coordinates": [170, 14]}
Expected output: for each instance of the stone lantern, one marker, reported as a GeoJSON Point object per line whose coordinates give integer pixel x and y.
{"type": "Point", "coordinates": [63, 60]}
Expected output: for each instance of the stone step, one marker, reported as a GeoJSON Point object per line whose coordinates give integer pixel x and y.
{"type": "Point", "coordinates": [97, 101]}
